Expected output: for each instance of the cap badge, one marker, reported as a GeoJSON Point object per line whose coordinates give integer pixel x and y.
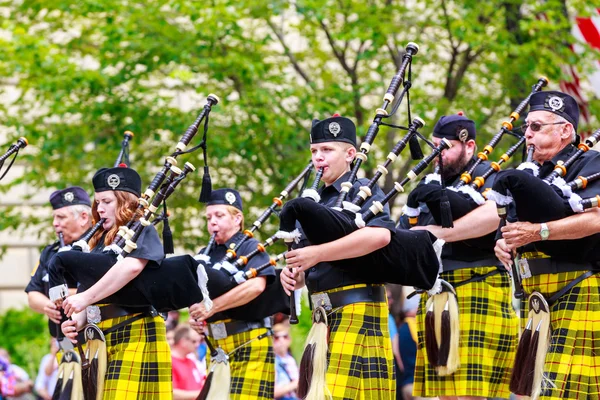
{"type": "Point", "coordinates": [230, 197]}
{"type": "Point", "coordinates": [113, 181]}
{"type": "Point", "coordinates": [463, 135]}
{"type": "Point", "coordinates": [69, 196]}
{"type": "Point", "coordinates": [555, 103]}
{"type": "Point", "coordinates": [334, 128]}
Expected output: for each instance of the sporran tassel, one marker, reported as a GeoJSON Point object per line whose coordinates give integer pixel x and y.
{"type": "Point", "coordinates": [430, 340]}
{"type": "Point", "coordinates": [445, 336]}
{"type": "Point", "coordinates": [72, 388]}
{"type": "Point", "coordinates": [67, 391]}
{"type": "Point", "coordinates": [542, 348]}
{"type": "Point", "coordinates": [93, 375]}
{"type": "Point", "coordinates": [450, 313]}
{"type": "Point", "coordinates": [306, 370]}
{"type": "Point", "coordinates": [520, 357]}
{"type": "Point", "coordinates": [218, 382]}
{"type": "Point", "coordinates": [532, 373]}
{"type": "Point", "coordinates": [314, 369]}
{"type": "Point", "coordinates": [59, 384]}
{"type": "Point", "coordinates": [529, 365]}
{"type": "Point", "coordinates": [206, 387]}
{"type": "Point", "coordinates": [90, 388]}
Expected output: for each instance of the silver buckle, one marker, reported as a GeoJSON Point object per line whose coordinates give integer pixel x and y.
{"type": "Point", "coordinates": [221, 357]}
{"type": "Point", "coordinates": [524, 270]}
{"type": "Point", "coordinates": [321, 300]}
{"type": "Point", "coordinates": [218, 330]}
{"type": "Point", "coordinates": [93, 314]}
{"type": "Point", "coordinates": [65, 344]}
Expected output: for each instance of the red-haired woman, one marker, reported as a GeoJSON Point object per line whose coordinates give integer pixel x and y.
{"type": "Point", "coordinates": [139, 359]}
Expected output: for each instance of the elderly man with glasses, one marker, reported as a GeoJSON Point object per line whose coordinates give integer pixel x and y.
{"type": "Point", "coordinates": [566, 286]}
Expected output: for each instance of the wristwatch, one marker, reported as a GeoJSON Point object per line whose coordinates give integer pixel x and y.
{"type": "Point", "coordinates": [544, 231]}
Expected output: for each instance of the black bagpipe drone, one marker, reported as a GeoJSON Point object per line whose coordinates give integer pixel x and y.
{"type": "Point", "coordinates": [465, 196]}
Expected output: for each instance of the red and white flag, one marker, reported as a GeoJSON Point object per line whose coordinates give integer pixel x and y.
{"type": "Point", "coordinates": [586, 30]}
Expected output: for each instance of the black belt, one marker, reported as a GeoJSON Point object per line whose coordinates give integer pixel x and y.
{"type": "Point", "coordinates": [220, 330]}
{"type": "Point", "coordinates": [453, 265]}
{"type": "Point", "coordinates": [114, 311]}
{"type": "Point", "coordinates": [539, 266]}
{"type": "Point", "coordinates": [569, 286]}
{"type": "Point", "coordinates": [474, 278]}
{"type": "Point", "coordinates": [332, 300]}
{"type": "Point", "coordinates": [111, 311]}
{"type": "Point", "coordinates": [479, 278]}
{"type": "Point", "coordinates": [520, 293]}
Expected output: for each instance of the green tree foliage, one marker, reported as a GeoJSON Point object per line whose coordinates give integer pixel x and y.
{"type": "Point", "coordinates": [24, 334]}
{"type": "Point", "coordinates": [86, 71]}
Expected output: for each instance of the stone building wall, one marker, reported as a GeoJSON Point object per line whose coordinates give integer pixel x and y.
{"type": "Point", "coordinates": [21, 248]}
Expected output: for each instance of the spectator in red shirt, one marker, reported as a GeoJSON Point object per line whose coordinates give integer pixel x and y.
{"type": "Point", "coordinates": [188, 378]}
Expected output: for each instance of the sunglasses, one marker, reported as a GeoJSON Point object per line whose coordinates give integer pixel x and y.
{"type": "Point", "coordinates": [275, 337]}
{"type": "Point", "coordinates": [537, 126]}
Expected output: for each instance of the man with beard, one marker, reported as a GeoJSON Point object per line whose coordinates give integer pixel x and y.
{"type": "Point", "coordinates": [488, 324]}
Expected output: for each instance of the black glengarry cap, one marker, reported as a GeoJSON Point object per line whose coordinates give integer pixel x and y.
{"type": "Point", "coordinates": [70, 196]}
{"type": "Point", "coordinates": [118, 178]}
{"type": "Point", "coordinates": [333, 129]}
{"type": "Point", "coordinates": [455, 127]}
{"type": "Point", "coordinates": [226, 196]}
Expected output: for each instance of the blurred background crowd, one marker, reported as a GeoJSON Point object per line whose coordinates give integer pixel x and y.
{"type": "Point", "coordinates": [23, 379]}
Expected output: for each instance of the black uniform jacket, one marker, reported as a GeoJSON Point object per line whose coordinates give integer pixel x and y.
{"type": "Point", "coordinates": [218, 253]}
{"type": "Point", "coordinates": [325, 276]}
{"type": "Point", "coordinates": [40, 283]}
{"type": "Point", "coordinates": [586, 250]}
{"type": "Point", "coordinates": [471, 250]}
{"type": "Point", "coordinates": [149, 247]}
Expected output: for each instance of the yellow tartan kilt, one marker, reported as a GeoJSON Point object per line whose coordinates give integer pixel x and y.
{"type": "Point", "coordinates": [360, 352]}
{"type": "Point", "coordinates": [488, 339]}
{"type": "Point", "coordinates": [252, 365]}
{"type": "Point", "coordinates": [139, 360]}
{"type": "Point", "coordinates": [573, 358]}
